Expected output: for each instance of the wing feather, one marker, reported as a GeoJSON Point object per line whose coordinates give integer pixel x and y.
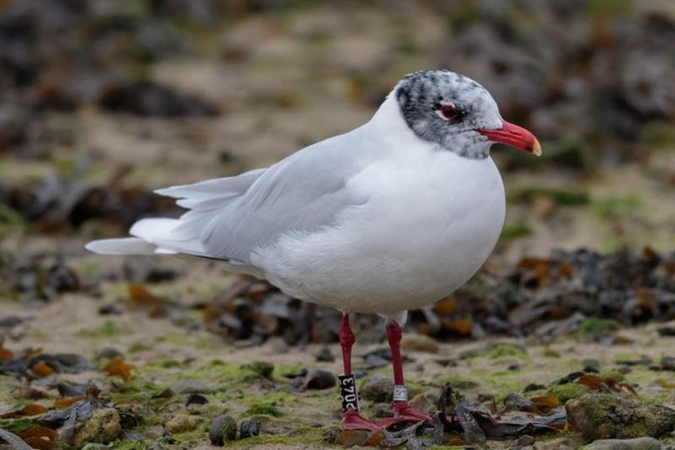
{"type": "Point", "coordinates": [228, 218]}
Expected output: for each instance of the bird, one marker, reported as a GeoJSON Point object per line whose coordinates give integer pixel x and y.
{"type": "Point", "coordinates": [389, 217]}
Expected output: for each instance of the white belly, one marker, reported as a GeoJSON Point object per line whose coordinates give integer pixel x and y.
{"type": "Point", "coordinates": [423, 233]}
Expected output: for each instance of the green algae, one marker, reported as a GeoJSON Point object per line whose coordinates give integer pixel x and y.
{"type": "Point", "coordinates": [551, 353]}
{"type": "Point", "coordinates": [137, 347]}
{"type": "Point", "coordinates": [513, 231]}
{"type": "Point", "coordinates": [265, 409]}
{"type": "Point", "coordinates": [561, 197]}
{"type": "Point", "coordinates": [568, 391]}
{"type": "Point", "coordinates": [107, 330]}
{"type": "Point", "coordinates": [18, 426]}
{"type": "Point", "coordinates": [602, 416]}
{"type": "Point", "coordinates": [456, 381]}
{"type": "Point", "coordinates": [614, 207]}
{"type": "Point", "coordinates": [507, 351]}
{"type": "Point", "coordinates": [260, 368]}
{"type": "Point", "coordinates": [206, 345]}
{"type": "Point", "coordinates": [596, 327]}
{"type": "Point", "coordinates": [498, 351]}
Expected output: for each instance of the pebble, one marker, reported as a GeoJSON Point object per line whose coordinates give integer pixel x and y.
{"type": "Point", "coordinates": [191, 387]}
{"type": "Point", "coordinates": [262, 368]}
{"type": "Point", "coordinates": [418, 343]}
{"type": "Point", "coordinates": [196, 403]}
{"type": "Point", "coordinates": [182, 422]}
{"type": "Point", "coordinates": [109, 353]}
{"type": "Point", "coordinates": [196, 399]}
{"type": "Point", "coordinates": [378, 388]}
{"type": "Point", "coordinates": [320, 379]}
{"type": "Point", "coordinates": [607, 416]}
{"type": "Point", "coordinates": [524, 441]}
{"type": "Point", "coordinates": [223, 428]}
{"type": "Point", "coordinates": [250, 428]}
{"type": "Point", "coordinates": [324, 355]}
{"type": "Point", "coordinates": [591, 365]}
{"type": "Point", "coordinates": [103, 427]}
{"type": "Point", "coordinates": [668, 363]}
{"type": "Point", "coordinates": [374, 361]}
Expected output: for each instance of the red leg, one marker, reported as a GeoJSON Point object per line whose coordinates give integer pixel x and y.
{"type": "Point", "coordinates": [402, 410]}
{"type": "Point", "coordinates": [347, 340]}
{"type": "Point", "coordinates": [351, 419]}
{"type": "Point", "coordinates": [394, 333]}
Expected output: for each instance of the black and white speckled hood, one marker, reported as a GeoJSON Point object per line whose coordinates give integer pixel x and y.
{"type": "Point", "coordinates": [421, 97]}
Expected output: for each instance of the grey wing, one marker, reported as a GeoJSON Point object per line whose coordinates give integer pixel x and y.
{"type": "Point", "coordinates": [229, 217]}
{"type": "Point", "coordinates": [302, 193]}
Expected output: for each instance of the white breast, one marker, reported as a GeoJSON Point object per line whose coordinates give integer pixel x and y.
{"type": "Point", "coordinates": [428, 226]}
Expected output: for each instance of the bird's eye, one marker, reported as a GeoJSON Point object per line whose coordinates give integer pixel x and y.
{"type": "Point", "coordinates": [448, 111]}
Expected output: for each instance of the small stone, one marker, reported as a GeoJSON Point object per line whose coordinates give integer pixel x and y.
{"type": "Point", "coordinates": [262, 368]}
{"type": "Point", "coordinates": [641, 443]}
{"type": "Point", "coordinates": [196, 403]}
{"type": "Point", "coordinates": [324, 355]}
{"type": "Point", "coordinates": [223, 428]}
{"type": "Point", "coordinates": [320, 379]}
{"type": "Point", "coordinates": [279, 346]}
{"type": "Point", "coordinates": [110, 353]}
{"type": "Point", "coordinates": [668, 330]}
{"type": "Point", "coordinates": [165, 393]}
{"type": "Point", "coordinates": [378, 389]}
{"type": "Point", "coordinates": [302, 373]}
{"type": "Point", "coordinates": [533, 387]}
{"type": "Point", "coordinates": [196, 399]}
{"type": "Point", "coordinates": [182, 423]}
{"type": "Point", "coordinates": [110, 309]}
{"type": "Point", "coordinates": [103, 427]}
{"type": "Point", "coordinates": [606, 416]}
{"type": "Point", "coordinates": [591, 365]}
{"type": "Point", "coordinates": [191, 387]}
{"type": "Point", "coordinates": [418, 343]}
{"type": "Point", "coordinates": [668, 363]}
{"type": "Point", "coordinates": [373, 361]}
{"type": "Point", "coordinates": [351, 438]}
{"type": "Point", "coordinates": [249, 428]}
{"type": "Point", "coordinates": [524, 441]}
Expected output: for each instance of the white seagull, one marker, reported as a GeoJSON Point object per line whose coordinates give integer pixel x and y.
{"type": "Point", "coordinates": [389, 217]}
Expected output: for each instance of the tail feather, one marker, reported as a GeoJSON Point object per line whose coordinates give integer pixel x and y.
{"type": "Point", "coordinates": [169, 236]}
{"type": "Point", "coordinates": [164, 234]}
{"type": "Point", "coordinates": [121, 246]}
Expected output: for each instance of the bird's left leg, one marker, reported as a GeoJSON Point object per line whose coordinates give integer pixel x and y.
{"type": "Point", "coordinates": [403, 412]}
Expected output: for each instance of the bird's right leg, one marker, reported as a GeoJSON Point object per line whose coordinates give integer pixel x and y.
{"type": "Point", "coordinates": [351, 419]}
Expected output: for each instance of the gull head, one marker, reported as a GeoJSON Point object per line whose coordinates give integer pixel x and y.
{"type": "Point", "coordinates": [457, 114]}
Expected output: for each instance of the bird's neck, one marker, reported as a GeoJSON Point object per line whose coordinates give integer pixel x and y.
{"type": "Point", "coordinates": [389, 127]}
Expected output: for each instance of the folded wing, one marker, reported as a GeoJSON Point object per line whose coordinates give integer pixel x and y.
{"type": "Point", "coordinates": [227, 218]}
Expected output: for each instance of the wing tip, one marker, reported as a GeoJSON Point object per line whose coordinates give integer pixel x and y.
{"type": "Point", "coordinates": [121, 246]}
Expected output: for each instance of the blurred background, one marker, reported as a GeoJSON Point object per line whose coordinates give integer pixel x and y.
{"type": "Point", "coordinates": [103, 101]}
